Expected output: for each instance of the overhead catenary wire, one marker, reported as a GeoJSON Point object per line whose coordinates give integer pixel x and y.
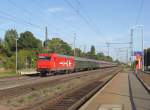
{"type": "Point", "coordinates": [58, 28]}
{"type": "Point", "coordinates": [139, 12]}
{"type": "Point", "coordinates": [41, 8]}
{"type": "Point", "coordinates": [15, 19]}
{"type": "Point", "coordinates": [95, 26]}
{"type": "Point", "coordinates": [21, 8]}
{"type": "Point", "coordinates": [82, 17]}
{"type": "Point", "coordinates": [25, 11]}
{"type": "Point", "coordinates": [30, 13]}
{"type": "Point", "coordinates": [7, 18]}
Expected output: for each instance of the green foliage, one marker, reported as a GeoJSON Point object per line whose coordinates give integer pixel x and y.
{"type": "Point", "coordinates": [92, 51]}
{"type": "Point", "coordinates": [1, 60]}
{"type": "Point", "coordinates": [1, 47]}
{"type": "Point", "coordinates": [92, 54]}
{"type": "Point", "coordinates": [59, 46]}
{"type": "Point", "coordinates": [29, 46]}
{"type": "Point", "coordinates": [78, 52]}
{"type": "Point", "coordinates": [7, 73]}
{"type": "Point", "coordinates": [10, 41]}
{"type": "Point", "coordinates": [133, 65]}
{"type": "Point", "coordinates": [9, 62]}
{"type": "Point", "coordinates": [99, 56]}
{"type": "Point", "coordinates": [26, 59]}
{"type": "Point", "coordinates": [117, 61]}
{"type": "Point", "coordinates": [28, 41]}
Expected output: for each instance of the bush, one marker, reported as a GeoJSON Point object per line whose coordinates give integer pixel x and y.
{"type": "Point", "coordinates": [26, 59]}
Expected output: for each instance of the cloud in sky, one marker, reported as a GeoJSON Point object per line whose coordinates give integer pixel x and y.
{"type": "Point", "coordinates": [55, 9]}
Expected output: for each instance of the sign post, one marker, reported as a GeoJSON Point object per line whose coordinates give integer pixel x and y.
{"type": "Point", "coordinates": [138, 60]}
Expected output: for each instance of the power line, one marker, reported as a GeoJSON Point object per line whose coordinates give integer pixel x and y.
{"type": "Point", "coordinates": [23, 9]}
{"type": "Point", "coordinates": [81, 16]}
{"type": "Point", "coordinates": [120, 43]}
{"type": "Point", "coordinates": [139, 12]}
{"type": "Point", "coordinates": [4, 17]}
{"type": "Point", "coordinates": [88, 17]}
{"type": "Point", "coordinates": [56, 16]}
{"type": "Point", "coordinates": [40, 6]}
{"type": "Point", "coordinates": [15, 19]}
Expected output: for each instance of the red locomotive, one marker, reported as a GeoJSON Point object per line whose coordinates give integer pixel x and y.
{"type": "Point", "coordinates": [52, 63]}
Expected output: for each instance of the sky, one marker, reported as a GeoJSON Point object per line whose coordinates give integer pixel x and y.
{"type": "Point", "coordinates": [92, 22]}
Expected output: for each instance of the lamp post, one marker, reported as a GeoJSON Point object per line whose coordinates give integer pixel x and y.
{"type": "Point", "coordinates": [74, 44]}
{"type": "Point", "coordinates": [16, 56]}
{"type": "Point", "coordinates": [142, 28]}
{"type": "Point", "coordinates": [108, 45]}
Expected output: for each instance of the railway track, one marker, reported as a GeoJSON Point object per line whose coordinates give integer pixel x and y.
{"type": "Point", "coordinates": [11, 82]}
{"type": "Point", "coordinates": [144, 78]}
{"type": "Point", "coordinates": [30, 87]}
{"type": "Point", "coordinates": [72, 99]}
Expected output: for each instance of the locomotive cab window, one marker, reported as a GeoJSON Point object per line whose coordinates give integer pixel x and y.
{"type": "Point", "coordinates": [44, 58]}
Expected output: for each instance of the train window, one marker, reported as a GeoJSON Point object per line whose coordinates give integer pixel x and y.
{"type": "Point", "coordinates": [44, 58]}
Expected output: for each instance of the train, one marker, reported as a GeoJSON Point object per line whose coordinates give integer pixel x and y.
{"type": "Point", "coordinates": [53, 63]}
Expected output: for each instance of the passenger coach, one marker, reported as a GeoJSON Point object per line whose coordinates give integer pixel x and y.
{"type": "Point", "coordinates": [54, 63]}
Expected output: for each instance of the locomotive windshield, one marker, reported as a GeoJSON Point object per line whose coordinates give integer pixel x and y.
{"type": "Point", "coordinates": [44, 58]}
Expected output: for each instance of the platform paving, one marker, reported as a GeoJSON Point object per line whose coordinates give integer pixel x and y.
{"type": "Point", "coordinates": [123, 92]}
{"type": "Point", "coordinates": [141, 97]}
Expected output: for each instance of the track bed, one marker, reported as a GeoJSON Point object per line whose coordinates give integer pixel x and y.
{"type": "Point", "coordinates": [38, 94]}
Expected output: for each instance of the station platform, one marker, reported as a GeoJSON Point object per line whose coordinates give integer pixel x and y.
{"type": "Point", "coordinates": [123, 92]}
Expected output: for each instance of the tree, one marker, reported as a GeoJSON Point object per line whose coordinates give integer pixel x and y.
{"type": "Point", "coordinates": [10, 41]}
{"type": "Point", "coordinates": [78, 52]}
{"type": "Point", "coordinates": [108, 58]}
{"type": "Point", "coordinates": [92, 51]}
{"type": "Point", "coordinates": [26, 59]}
{"type": "Point", "coordinates": [100, 56]}
{"type": "Point", "coordinates": [59, 46]}
{"type": "Point", "coordinates": [28, 41]}
{"type": "Point", "coordinates": [117, 61]}
{"type": "Point", "coordinates": [1, 46]}
{"type": "Point", "coordinates": [91, 54]}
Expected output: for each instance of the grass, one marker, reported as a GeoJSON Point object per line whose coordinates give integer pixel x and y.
{"type": "Point", "coordinates": [8, 73]}
{"type": "Point", "coordinates": [49, 92]}
{"type": "Point", "coordinates": [44, 93]}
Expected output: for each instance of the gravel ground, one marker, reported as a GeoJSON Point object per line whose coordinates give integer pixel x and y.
{"type": "Point", "coordinates": [49, 92]}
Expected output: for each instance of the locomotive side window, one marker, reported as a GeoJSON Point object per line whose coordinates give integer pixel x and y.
{"type": "Point", "coordinates": [44, 58]}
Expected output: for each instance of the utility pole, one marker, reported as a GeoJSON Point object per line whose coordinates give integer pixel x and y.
{"type": "Point", "coordinates": [74, 43]}
{"type": "Point", "coordinates": [142, 28]}
{"type": "Point", "coordinates": [127, 56]}
{"type": "Point", "coordinates": [117, 54]}
{"type": "Point", "coordinates": [84, 49]}
{"type": "Point", "coordinates": [131, 47]}
{"type": "Point", "coordinates": [145, 58]}
{"type": "Point", "coordinates": [46, 39]}
{"type": "Point", "coordinates": [108, 45]}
